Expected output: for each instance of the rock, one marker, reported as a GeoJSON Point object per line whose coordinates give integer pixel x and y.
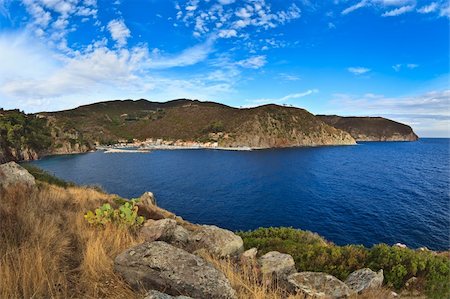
{"type": "Point", "coordinates": [147, 207]}
{"type": "Point", "coordinates": [163, 267]}
{"type": "Point", "coordinates": [158, 295]}
{"type": "Point", "coordinates": [364, 279]}
{"type": "Point", "coordinates": [217, 241]}
{"type": "Point", "coordinates": [276, 265]}
{"type": "Point", "coordinates": [166, 230]}
{"type": "Point", "coordinates": [12, 173]}
{"type": "Point", "coordinates": [400, 245]}
{"type": "Point", "coordinates": [148, 199]}
{"type": "Point", "coordinates": [318, 285]}
{"type": "Point", "coordinates": [249, 256]}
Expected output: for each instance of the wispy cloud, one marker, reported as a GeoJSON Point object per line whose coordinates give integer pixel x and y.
{"type": "Point", "coordinates": [432, 7]}
{"type": "Point", "coordinates": [282, 100]}
{"type": "Point", "coordinates": [358, 70]}
{"type": "Point", "coordinates": [187, 57]}
{"type": "Point", "coordinates": [429, 111]}
{"type": "Point", "coordinates": [399, 66]}
{"type": "Point", "coordinates": [398, 11]}
{"type": "Point", "coordinates": [254, 62]}
{"type": "Point", "coordinates": [354, 7]}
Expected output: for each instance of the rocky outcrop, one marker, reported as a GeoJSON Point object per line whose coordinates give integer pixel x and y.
{"type": "Point", "coordinates": [158, 295]}
{"type": "Point", "coordinates": [364, 279]}
{"type": "Point", "coordinates": [371, 128]}
{"type": "Point", "coordinates": [166, 230]}
{"type": "Point", "coordinates": [277, 266]}
{"type": "Point", "coordinates": [217, 241]}
{"type": "Point", "coordinates": [163, 267]}
{"type": "Point", "coordinates": [12, 173]}
{"type": "Point", "coordinates": [318, 285]}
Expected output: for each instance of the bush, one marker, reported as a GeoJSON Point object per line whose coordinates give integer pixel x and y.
{"type": "Point", "coordinates": [313, 253]}
{"type": "Point", "coordinates": [43, 176]}
{"type": "Point", "coordinates": [126, 215]}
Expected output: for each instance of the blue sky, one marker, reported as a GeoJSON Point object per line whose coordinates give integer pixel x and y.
{"type": "Point", "coordinates": [362, 57]}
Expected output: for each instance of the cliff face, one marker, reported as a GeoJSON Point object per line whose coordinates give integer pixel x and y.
{"type": "Point", "coordinates": [274, 126]}
{"type": "Point", "coordinates": [371, 128]}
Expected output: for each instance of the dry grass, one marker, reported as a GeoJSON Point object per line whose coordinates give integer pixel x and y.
{"type": "Point", "coordinates": [245, 280]}
{"type": "Point", "coordinates": [48, 250]}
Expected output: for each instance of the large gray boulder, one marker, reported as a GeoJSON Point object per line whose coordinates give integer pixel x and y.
{"type": "Point", "coordinates": [12, 173]}
{"type": "Point", "coordinates": [158, 295]}
{"type": "Point", "coordinates": [163, 267]}
{"type": "Point", "coordinates": [276, 265]}
{"type": "Point", "coordinates": [364, 279]}
{"type": "Point", "coordinates": [166, 230]}
{"type": "Point", "coordinates": [318, 285]}
{"type": "Point", "coordinates": [217, 241]}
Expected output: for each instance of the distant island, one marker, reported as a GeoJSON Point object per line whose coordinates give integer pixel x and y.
{"type": "Point", "coordinates": [183, 123]}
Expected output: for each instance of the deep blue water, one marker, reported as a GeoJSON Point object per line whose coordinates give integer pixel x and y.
{"type": "Point", "coordinates": [364, 194]}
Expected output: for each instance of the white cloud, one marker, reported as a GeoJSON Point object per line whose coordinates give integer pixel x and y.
{"type": "Point", "coordinates": [397, 67]}
{"type": "Point", "coordinates": [189, 56]}
{"type": "Point", "coordinates": [282, 100]}
{"type": "Point", "coordinates": [354, 7]}
{"type": "Point", "coordinates": [398, 11]}
{"type": "Point", "coordinates": [119, 31]}
{"type": "Point", "coordinates": [227, 33]}
{"type": "Point", "coordinates": [358, 70]}
{"type": "Point", "coordinates": [433, 6]}
{"type": "Point", "coordinates": [429, 111]}
{"type": "Point", "coordinates": [254, 62]}
{"type": "Point", "coordinates": [411, 66]}
{"type": "Point", "coordinates": [289, 77]}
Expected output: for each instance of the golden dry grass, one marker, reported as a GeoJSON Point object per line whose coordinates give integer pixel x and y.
{"type": "Point", "coordinates": [47, 250]}
{"type": "Point", "coordinates": [245, 280]}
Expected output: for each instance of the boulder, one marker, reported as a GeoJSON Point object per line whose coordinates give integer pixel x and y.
{"type": "Point", "coordinates": [364, 279]}
{"type": "Point", "coordinates": [12, 173]}
{"type": "Point", "coordinates": [318, 285]}
{"type": "Point", "coordinates": [165, 268]}
{"type": "Point", "coordinates": [147, 207]}
{"type": "Point", "coordinates": [248, 257]}
{"type": "Point", "coordinates": [166, 230]}
{"type": "Point", "coordinates": [147, 199]}
{"type": "Point", "coordinates": [400, 245]}
{"type": "Point", "coordinates": [217, 241]}
{"type": "Point", "coordinates": [276, 265]}
{"type": "Point", "coordinates": [158, 295]}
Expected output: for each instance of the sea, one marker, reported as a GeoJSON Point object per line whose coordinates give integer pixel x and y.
{"type": "Point", "coordinates": [373, 192]}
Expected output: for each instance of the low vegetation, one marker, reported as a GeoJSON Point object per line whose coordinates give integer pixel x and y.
{"type": "Point", "coordinates": [60, 241]}
{"type": "Point", "coordinates": [48, 249]}
{"type": "Point", "coordinates": [312, 253]}
{"type": "Point", "coordinates": [44, 176]}
{"type": "Point", "coordinates": [125, 216]}
{"type": "Point", "coordinates": [19, 131]}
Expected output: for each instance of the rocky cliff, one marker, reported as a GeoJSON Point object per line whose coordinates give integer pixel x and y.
{"type": "Point", "coordinates": [28, 137]}
{"type": "Point", "coordinates": [371, 128]}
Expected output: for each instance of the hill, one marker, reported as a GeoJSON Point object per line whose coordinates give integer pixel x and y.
{"type": "Point", "coordinates": [190, 120]}
{"type": "Point", "coordinates": [371, 128]}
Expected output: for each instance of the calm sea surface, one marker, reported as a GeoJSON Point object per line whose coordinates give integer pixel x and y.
{"type": "Point", "coordinates": [364, 194]}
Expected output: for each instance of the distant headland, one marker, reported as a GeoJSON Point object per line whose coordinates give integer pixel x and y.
{"type": "Point", "coordinates": [183, 124]}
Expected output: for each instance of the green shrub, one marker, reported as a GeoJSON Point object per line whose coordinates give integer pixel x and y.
{"type": "Point", "coordinates": [313, 253]}
{"type": "Point", "coordinates": [43, 176]}
{"type": "Point", "coordinates": [126, 215]}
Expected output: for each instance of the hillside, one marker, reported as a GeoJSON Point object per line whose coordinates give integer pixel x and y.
{"type": "Point", "coordinates": [371, 128]}
{"type": "Point", "coordinates": [28, 137]}
{"type": "Point", "coordinates": [261, 127]}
